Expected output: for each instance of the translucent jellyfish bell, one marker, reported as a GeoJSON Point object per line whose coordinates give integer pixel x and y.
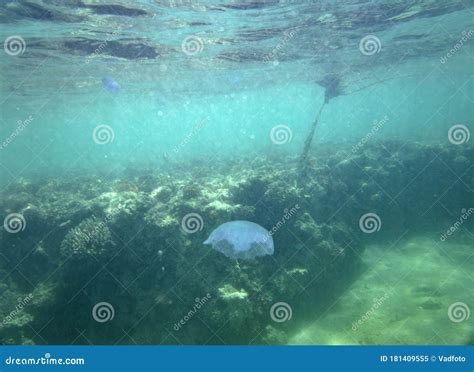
{"type": "Point", "coordinates": [110, 85]}
{"type": "Point", "coordinates": [241, 240]}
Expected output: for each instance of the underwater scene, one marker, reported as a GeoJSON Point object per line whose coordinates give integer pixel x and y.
{"type": "Point", "coordinates": [237, 172]}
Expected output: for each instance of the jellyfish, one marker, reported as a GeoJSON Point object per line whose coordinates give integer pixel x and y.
{"type": "Point", "coordinates": [241, 240]}
{"type": "Point", "coordinates": [110, 85]}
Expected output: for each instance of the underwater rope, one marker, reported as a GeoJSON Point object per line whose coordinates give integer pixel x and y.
{"type": "Point", "coordinates": [307, 142]}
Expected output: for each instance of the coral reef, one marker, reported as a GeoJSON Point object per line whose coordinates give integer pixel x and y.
{"type": "Point", "coordinates": [91, 237]}
{"type": "Point", "coordinates": [124, 242]}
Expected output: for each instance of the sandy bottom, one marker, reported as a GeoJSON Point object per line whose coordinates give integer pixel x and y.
{"type": "Point", "coordinates": [403, 297]}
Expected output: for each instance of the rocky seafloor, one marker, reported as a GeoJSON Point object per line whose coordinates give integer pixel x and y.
{"type": "Point", "coordinates": [103, 259]}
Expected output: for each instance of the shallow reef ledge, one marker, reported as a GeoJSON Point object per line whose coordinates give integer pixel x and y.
{"type": "Point", "coordinates": [124, 241]}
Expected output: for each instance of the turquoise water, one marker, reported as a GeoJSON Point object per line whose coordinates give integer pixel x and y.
{"type": "Point", "coordinates": [228, 83]}
{"type": "Point", "coordinates": [215, 104]}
